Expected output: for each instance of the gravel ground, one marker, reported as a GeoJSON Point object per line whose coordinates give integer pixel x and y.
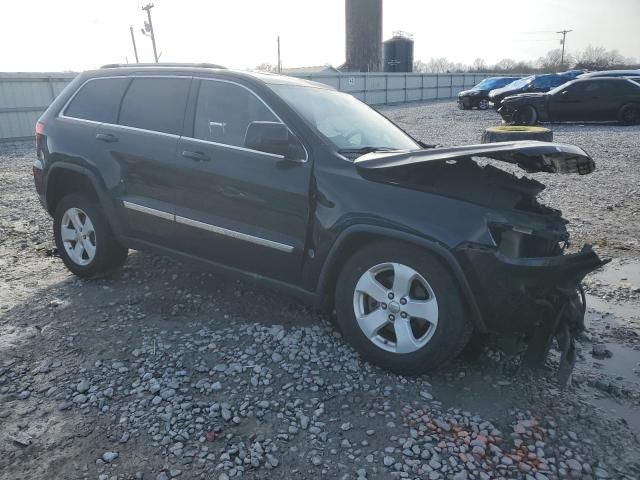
{"type": "Point", "coordinates": [167, 370]}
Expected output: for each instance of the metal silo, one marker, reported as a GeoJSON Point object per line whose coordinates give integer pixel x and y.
{"type": "Point", "coordinates": [364, 35]}
{"type": "Point", "coordinates": [398, 53]}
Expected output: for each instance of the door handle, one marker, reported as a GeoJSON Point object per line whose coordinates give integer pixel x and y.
{"type": "Point", "coordinates": [197, 156]}
{"type": "Point", "coordinates": [106, 137]}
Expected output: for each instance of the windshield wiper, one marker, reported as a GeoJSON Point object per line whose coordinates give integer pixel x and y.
{"type": "Point", "coordinates": [367, 149]}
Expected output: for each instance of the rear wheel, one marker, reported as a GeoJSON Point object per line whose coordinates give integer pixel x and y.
{"type": "Point", "coordinates": [84, 238]}
{"type": "Point", "coordinates": [525, 115]}
{"type": "Point", "coordinates": [629, 114]}
{"type": "Point", "coordinates": [400, 308]}
{"type": "Point", "coordinates": [483, 104]}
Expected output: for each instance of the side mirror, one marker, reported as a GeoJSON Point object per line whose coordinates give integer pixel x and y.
{"type": "Point", "coordinates": [269, 137]}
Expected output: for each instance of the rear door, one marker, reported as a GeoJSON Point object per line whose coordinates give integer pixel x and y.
{"type": "Point", "coordinates": [141, 150]}
{"type": "Point", "coordinates": [237, 206]}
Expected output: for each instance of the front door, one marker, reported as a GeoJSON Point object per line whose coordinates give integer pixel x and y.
{"type": "Point", "coordinates": [237, 206]}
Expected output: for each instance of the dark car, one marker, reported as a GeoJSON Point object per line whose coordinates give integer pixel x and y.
{"type": "Point", "coordinates": [530, 84]}
{"type": "Point", "coordinates": [590, 99]}
{"type": "Point", "coordinates": [296, 185]}
{"type": "Point", "coordinates": [478, 96]}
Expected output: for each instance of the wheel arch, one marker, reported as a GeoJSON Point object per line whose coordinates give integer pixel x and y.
{"type": "Point", "coordinates": [355, 237]}
{"type": "Point", "coordinates": [64, 178]}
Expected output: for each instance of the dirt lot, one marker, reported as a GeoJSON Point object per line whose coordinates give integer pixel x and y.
{"type": "Point", "coordinates": [167, 370]}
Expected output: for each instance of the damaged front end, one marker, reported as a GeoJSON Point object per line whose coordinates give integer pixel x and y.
{"type": "Point", "coordinates": [526, 285]}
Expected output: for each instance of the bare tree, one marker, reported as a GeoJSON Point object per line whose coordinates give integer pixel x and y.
{"type": "Point", "coordinates": [266, 67]}
{"type": "Point", "coordinates": [505, 65]}
{"type": "Point", "coordinates": [479, 65]}
{"type": "Point", "coordinates": [599, 58]}
{"type": "Point", "coordinates": [552, 61]}
{"type": "Point", "coordinates": [438, 65]}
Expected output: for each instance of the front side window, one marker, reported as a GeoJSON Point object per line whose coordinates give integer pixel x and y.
{"type": "Point", "coordinates": [156, 104]}
{"type": "Point", "coordinates": [98, 100]}
{"type": "Point", "coordinates": [343, 120]}
{"type": "Point", "coordinates": [224, 112]}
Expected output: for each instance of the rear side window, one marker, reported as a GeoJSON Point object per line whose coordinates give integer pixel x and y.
{"type": "Point", "coordinates": [98, 100]}
{"type": "Point", "coordinates": [156, 104]}
{"type": "Point", "coordinates": [224, 112]}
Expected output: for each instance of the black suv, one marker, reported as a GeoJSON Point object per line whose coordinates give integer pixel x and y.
{"type": "Point", "coordinates": [294, 183]}
{"type": "Point", "coordinates": [585, 99]}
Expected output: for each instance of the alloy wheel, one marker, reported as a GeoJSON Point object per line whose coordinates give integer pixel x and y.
{"type": "Point", "coordinates": [78, 236]}
{"type": "Point", "coordinates": [395, 308]}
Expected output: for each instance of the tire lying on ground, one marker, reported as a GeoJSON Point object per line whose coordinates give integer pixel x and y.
{"type": "Point", "coordinates": [508, 133]}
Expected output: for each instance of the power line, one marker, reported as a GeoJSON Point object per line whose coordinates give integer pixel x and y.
{"type": "Point", "coordinates": [148, 8]}
{"type": "Point", "coordinates": [563, 41]}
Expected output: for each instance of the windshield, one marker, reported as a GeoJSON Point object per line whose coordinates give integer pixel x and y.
{"type": "Point", "coordinates": [523, 82]}
{"type": "Point", "coordinates": [345, 121]}
{"type": "Point", "coordinates": [491, 83]}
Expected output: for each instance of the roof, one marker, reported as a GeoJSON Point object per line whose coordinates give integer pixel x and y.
{"type": "Point", "coordinates": [611, 73]}
{"type": "Point", "coordinates": [201, 69]}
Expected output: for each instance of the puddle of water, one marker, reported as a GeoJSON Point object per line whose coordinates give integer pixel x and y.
{"type": "Point", "coordinates": [616, 273]}
{"type": "Point", "coordinates": [624, 364]}
{"type": "Point", "coordinates": [620, 311]}
{"type": "Point", "coordinates": [627, 412]}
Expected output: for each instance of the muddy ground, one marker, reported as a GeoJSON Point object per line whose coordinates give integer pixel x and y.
{"type": "Point", "coordinates": [168, 370]}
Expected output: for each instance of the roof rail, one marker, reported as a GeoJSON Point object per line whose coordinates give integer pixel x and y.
{"type": "Point", "coordinates": [136, 65]}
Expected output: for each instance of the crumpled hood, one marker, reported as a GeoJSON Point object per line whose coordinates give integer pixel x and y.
{"type": "Point", "coordinates": [531, 156]}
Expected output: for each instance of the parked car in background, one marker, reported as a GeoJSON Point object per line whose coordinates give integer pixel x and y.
{"type": "Point", "coordinates": [291, 183]}
{"type": "Point", "coordinates": [532, 84]}
{"type": "Point", "coordinates": [612, 73]}
{"type": "Point", "coordinates": [478, 96]}
{"type": "Point", "coordinates": [589, 99]}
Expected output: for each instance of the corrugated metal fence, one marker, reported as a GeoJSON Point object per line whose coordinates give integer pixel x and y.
{"type": "Point", "coordinates": [24, 96]}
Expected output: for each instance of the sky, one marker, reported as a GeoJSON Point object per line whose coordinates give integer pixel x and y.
{"type": "Point", "coordinates": [57, 35]}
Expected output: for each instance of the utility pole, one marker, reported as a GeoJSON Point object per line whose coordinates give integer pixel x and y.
{"type": "Point", "coordinates": [148, 8]}
{"type": "Point", "coordinates": [563, 41]}
{"type": "Point", "coordinates": [279, 61]}
{"type": "Point", "coordinates": [133, 40]}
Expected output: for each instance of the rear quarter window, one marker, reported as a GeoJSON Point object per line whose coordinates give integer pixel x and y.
{"type": "Point", "coordinates": [98, 100]}
{"type": "Point", "coordinates": [156, 104]}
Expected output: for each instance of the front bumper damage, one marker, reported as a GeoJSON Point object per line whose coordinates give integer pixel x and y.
{"type": "Point", "coordinates": [532, 299]}
{"type": "Point", "coordinates": [524, 284]}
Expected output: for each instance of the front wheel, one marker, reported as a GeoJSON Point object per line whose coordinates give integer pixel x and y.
{"type": "Point", "coordinates": [526, 115]}
{"type": "Point", "coordinates": [629, 114]}
{"type": "Point", "coordinates": [84, 238]}
{"type": "Point", "coordinates": [400, 308]}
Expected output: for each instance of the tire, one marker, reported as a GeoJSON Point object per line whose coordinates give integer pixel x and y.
{"type": "Point", "coordinates": [526, 115]}
{"type": "Point", "coordinates": [483, 104]}
{"type": "Point", "coordinates": [509, 133]}
{"type": "Point", "coordinates": [77, 216]}
{"type": "Point", "coordinates": [629, 114]}
{"type": "Point", "coordinates": [462, 106]}
{"type": "Point", "coordinates": [430, 345]}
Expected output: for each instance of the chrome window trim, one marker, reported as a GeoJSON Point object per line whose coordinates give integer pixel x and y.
{"type": "Point", "coordinates": [149, 211]}
{"type": "Point", "coordinates": [233, 147]}
{"type": "Point", "coordinates": [233, 234]}
{"type": "Point", "coordinates": [208, 79]}
{"type": "Point", "coordinates": [208, 227]}
{"type": "Point", "coordinates": [61, 114]}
